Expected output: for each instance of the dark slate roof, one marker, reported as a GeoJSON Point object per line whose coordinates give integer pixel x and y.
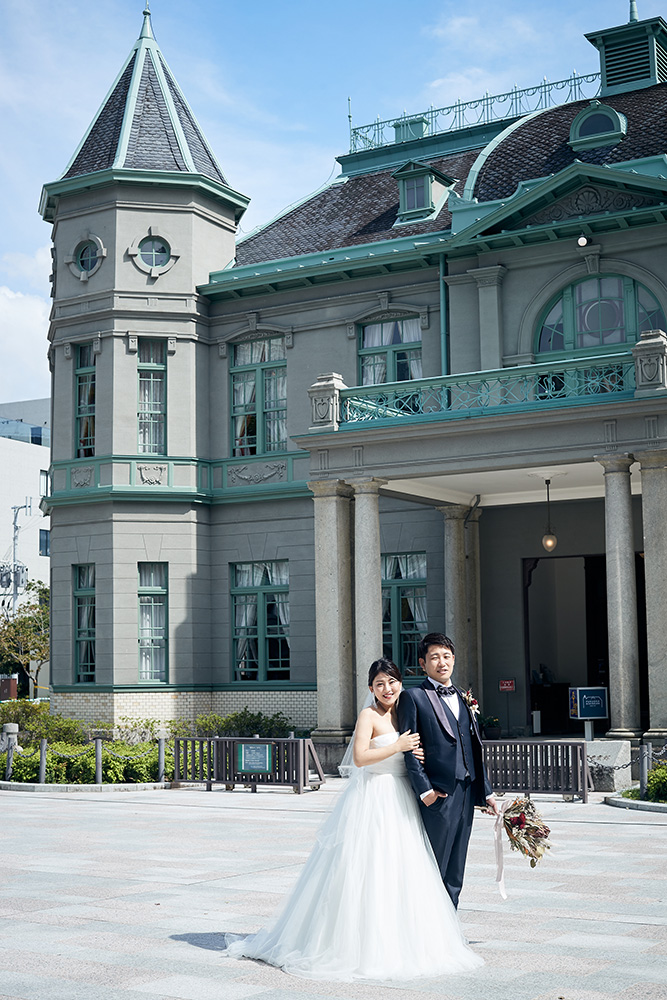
{"type": "Point", "coordinates": [361, 210]}
{"type": "Point", "coordinates": [540, 146]}
{"type": "Point", "coordinates": [145, 123]}
{"type": "Point", "coordinates": [99, 150]}
{"type": "Point", "coordinates": [153, 144]}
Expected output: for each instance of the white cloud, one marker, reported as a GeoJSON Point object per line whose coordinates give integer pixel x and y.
{"type": "Point", "coordinates": [32, 270]}
{"type": "Point", "coordinates": [24, 323]}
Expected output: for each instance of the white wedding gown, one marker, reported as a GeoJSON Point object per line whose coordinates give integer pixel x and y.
{"type": "Point", "coordinates": [369, 903]}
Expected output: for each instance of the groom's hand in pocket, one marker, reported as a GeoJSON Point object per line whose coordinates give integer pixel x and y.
{"type": "Point", "coordinates": [430, 797]}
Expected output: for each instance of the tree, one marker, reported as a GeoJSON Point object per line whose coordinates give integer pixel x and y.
{"type": "Point", "coordinates": [24, 636]}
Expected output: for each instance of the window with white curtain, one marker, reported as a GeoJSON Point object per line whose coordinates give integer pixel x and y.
{"type": "Point", "coordinates": [261, 619]}
{"type": "Point", "coordinates": [84, 623]}
{"type": "Point", "coordinates": [259, 397]}
{"type": "Point", "coordinates": [152, 401]}
{"type": "Point", "coordinates": [404, 616]}
{"type": "Point", "coordinates": [85, 401]}
{"type": "Point", "coordinates": [390, 351]}
{"type": "Point", "coordinates": [153, 641]}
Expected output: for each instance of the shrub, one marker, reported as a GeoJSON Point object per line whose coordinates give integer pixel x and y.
{"type": "Point", "coordinates": [36, 723]}
{"type": "Point", "coordinates": [656, 786]}
{"type": "Point", "coordinates": [244, 723]}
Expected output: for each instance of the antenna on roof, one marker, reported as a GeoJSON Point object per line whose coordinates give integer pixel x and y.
{"type": "Point", "coordinates": [349, 114]}
{"type": "Point", "coordinates": [634, 16]}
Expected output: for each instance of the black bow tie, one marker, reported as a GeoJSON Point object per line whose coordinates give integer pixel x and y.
{"type": "Point", "coordinates": [441, 690]}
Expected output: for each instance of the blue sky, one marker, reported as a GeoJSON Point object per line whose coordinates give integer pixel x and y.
{"type": "Point", "coordinates": [269, 82]}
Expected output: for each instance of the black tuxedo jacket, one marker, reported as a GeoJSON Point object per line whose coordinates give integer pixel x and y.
{"type": "Point", "coordinates": [421, 710]}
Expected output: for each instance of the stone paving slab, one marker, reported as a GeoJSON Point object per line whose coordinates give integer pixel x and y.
{"type": "Point", "coordinates": [129, 898]}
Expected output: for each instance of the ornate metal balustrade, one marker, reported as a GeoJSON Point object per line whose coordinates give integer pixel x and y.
{"type": "Point", "coordinates": [530, 387]}
{"type": "Point", "coordinates": [491, 107]}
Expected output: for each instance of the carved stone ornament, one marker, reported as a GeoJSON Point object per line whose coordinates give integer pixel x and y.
{"type": "Point", "coordinates": [151, 475]}
{"type": "Point", "coordinates": [650, 355]}
{"type": "Point", "coordinates": [241, 475]}
{"type": "Point", "coordinates": [325, 401]}
{"type": "Point", "coordinates": [82, 476]}
{"type": "Point", "coordinates": [590, 200]}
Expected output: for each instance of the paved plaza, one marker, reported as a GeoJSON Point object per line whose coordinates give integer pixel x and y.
{"type": "Point", "coordinates": [126, 896]}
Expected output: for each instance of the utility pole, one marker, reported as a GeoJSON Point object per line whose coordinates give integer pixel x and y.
{"type": "Point", "coordinates": [27, 507]}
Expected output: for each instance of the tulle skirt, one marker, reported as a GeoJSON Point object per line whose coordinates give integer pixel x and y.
{"type": "Point", "coordinates": [369, 903]}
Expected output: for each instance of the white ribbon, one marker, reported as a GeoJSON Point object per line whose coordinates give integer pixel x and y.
{"type": "Point", "coordinates": [498, 828]}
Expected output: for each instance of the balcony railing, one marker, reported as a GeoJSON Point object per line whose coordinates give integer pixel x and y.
{"type": "Point", "coordinates": [531, 387]}
{"type": "Point", "coordinates": [462, 114]}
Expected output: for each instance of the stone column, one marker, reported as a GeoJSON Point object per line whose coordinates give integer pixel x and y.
{"type": "Point", "coordinates": [489, 280]}
{"type": "Point", "coordinates": [654, 515]}
{"type": "Point", "coordinates": [473, 605]}
{"type": "Point", "coordinates": [621, 598]}
{"type": "Point", "coordinates": [367, 581]}
{"type": "Point", "coordinates": [456, 615]}
{"type": "Point", "coordinates": [333, 614]}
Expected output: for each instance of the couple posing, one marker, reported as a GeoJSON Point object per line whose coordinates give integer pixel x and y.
{"type": "Point", "coordinates": [377, 897]}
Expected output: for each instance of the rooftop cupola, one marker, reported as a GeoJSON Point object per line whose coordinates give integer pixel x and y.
{"type": "Point", "coordinates": [632, 55]}
{"type": "Point", "coordinates": [144, 130]}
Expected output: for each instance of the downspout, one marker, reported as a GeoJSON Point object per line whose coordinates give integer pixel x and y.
{"type": "Point", "coordinates": [444, 331]}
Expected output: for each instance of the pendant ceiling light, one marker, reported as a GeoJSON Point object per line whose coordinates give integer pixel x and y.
{"type": "Point", "coordinates": [549, 540]}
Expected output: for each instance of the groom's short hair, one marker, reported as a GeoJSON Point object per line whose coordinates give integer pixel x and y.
{"type": "Point", "coordinates": [434, 639]}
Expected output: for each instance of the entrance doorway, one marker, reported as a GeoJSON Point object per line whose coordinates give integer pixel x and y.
{"type": "Point", "coordinates": [566, 642]}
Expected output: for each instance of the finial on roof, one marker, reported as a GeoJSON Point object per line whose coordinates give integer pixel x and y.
{"type": "Point", "coordinates": [147, 30]}
{"type": "Point", "coordinates": [634, 16]}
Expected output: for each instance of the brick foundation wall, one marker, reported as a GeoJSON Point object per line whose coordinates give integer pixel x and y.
{"type": "Point", "coordinates": [300, 707]}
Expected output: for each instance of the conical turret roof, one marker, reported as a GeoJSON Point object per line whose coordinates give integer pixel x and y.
{"type": "Point", "coordinates": [145, 122]}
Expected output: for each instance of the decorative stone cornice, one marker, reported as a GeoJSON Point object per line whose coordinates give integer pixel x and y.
{"type": "Point", "coordinates": [486, 277]}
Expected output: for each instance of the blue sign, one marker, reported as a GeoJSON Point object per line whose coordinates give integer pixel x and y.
{"type": "Point", "coordinates": [589, 703]}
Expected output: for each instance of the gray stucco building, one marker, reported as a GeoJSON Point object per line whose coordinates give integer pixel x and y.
{"type": "Point", "coordinates": [275, 457]}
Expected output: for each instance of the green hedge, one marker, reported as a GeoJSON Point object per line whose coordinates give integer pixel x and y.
{"type": "Point", "coordinates": [81, 769]}
{"type": "Point", "coordinates": [36, 723]}
{"type": "Point", "coordinates": [656, 785]}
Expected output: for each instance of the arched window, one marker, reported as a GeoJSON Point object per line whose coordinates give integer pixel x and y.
{"type": "Point", "coordinates": [603, 312]}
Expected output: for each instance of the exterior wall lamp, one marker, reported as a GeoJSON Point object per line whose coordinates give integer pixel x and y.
{"type": "Point", "coordinates": [549, 540]}
{"type": "Point", "coordinates": [583, 240]}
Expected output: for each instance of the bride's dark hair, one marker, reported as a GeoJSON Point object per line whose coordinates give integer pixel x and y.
{"type": "Point", "coordinates": [383, 666]}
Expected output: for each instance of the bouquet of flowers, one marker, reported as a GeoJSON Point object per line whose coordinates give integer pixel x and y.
{"type": "Point", "coordinates": [526, 830]}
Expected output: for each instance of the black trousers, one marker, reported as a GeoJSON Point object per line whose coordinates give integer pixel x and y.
{"type": "Point", "coordinates": [448, 824]}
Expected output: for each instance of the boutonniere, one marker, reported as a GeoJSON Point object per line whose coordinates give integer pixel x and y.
{"type": "Point", "coordinates": [471, 701]}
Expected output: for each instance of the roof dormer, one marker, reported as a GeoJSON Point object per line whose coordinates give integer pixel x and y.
{"type": "Point", "coordinates": [422, 191]}
{"type": "Point", "coordinates": [632, 55]}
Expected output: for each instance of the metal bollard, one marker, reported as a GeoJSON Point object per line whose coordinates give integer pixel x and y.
{"type": "Point", "coordinates": [98, 761]}
{"type": "Point", "coordinates": [645, 750]}
{"type": "Point", "coordinates": [10, 761]}
{"type": "Point", "coordinates": [42, 762]}
{"type": "Point", "coordinates": [160, 758]}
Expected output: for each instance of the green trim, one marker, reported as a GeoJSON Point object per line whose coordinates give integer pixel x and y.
{"type": "Point", "coordinates": [267, 686]}
{"type": "Point", "coordinates": [119, 175]}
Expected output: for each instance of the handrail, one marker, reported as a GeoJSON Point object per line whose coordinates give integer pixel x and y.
{"type": "Point", "coordinates": [554, 383]}
{"type": "Point", "coordinates": [483, 110]}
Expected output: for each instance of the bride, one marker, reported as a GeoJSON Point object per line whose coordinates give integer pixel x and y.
{"type": "Point", "coordinates": [371, 871]}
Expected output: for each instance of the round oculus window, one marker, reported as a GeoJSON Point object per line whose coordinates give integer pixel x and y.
{"type": "Point", "coordinates": [87, 256]}
{"type": "Point", "coordinates": [154, 252]}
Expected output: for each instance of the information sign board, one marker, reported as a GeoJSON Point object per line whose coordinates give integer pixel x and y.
{"type": "Point", "coordinates": [589, 703]}
{"type": "Point", "coordinates": [509, 684]}
{"type": "Point", "coordinates": [254, 758]}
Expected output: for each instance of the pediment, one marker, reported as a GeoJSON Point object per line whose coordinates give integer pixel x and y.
{"type": "Point", "coordinates": [590, 199]}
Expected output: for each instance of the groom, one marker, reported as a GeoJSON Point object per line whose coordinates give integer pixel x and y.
{"type": "Point", "coordinates": [452, 780]}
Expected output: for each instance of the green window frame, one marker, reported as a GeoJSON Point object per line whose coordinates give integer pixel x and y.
{"type": "Point", "coordinates": [259, 397]}
{"type": "Point", "coordinates": [390, 351]}
{"type": "Point", "coordinates": [601, 313]}
{"type": "Point", "coordinates": [154, 251]}
{"type": "Point", "coordinates": [152, 396]}
{"type": "Point", "coordinates": [260, 621]}
{"type": "Point", "coordinates": [85, 400]}
{"type": "Point", "coordinates": [153, 595]}
{"type": "Point", "coordinates": [85, 650]}
{"type": "Point", "coordinates": [404, 609]}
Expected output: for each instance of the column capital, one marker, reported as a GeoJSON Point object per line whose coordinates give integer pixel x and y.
{"type": "Point", "coordinates": [488, 276]}
{"type": "Point", "coordinates": [656, 458]}
{"type": "Point", "coordinates": [454, 511]}
{"type": "Point", "coordinates": [368, 485]}
{"type": "Point", "coordinates": [330, 488]}
{"type": "Point", "coordinates": [615, 463]}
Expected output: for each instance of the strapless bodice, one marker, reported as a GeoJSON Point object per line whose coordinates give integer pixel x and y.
{"type": "Point", "coordinates": [392, 765]}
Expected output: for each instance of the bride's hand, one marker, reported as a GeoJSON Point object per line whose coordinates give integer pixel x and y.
{"type": "Point", "coordinates": [407, 741]}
